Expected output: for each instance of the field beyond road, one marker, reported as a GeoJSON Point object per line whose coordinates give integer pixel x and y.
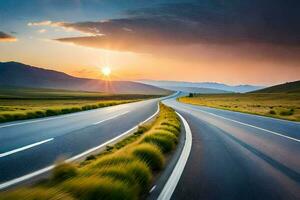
{"type": "Point", "coordinates": [277, 105]}
{"type": "Point", "coordinates": [27, 103]}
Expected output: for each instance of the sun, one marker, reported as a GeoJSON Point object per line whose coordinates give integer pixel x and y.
{"type": "Point", "coordinates": [106, 71]}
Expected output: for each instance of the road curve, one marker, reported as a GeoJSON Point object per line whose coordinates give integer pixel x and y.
{"type": "Point", "coordinates": [30, 145]}
{"type": "Point", "coordinates": [239, 156]}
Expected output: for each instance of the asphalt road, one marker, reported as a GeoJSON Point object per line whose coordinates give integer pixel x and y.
{"type": "Point", "coordinates": [239, 156]}
{"type": "Point", "coordinates": [30, 145]}
{"type": "Point", "coordinates": [233, 155]}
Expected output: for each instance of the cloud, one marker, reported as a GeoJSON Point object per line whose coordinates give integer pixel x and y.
{"type": "Point", "coordinates": [135, 34]}
{"type": "Point", "coordinates": [49, 23]}
{"type": "Point", "coordinates": [42, 31]}
{"type": "Point", "coordinates": [4, 37]}
{"type": "Point", "coordinates": [235, 25]}
{"type": "Point", "coordinates": [42, 23]}
{"type": "Point", "coordinates": [46, 23]}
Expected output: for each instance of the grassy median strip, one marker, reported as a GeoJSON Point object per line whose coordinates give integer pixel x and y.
{"type": "Point", "coordinates": [123, 171]}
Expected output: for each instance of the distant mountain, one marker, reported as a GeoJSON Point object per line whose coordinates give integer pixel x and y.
{"type": "Point", "coordinates": [204, 85]}
{"type": "Point", "coordinates": [194, 90]}
{"type": "Point", "coordinates": [21, 75]}
{"type": "Point", "coordinates": [289, 87]}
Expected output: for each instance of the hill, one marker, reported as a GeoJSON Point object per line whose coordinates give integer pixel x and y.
{"type": "Point", "coordinates": [197, 90]}
{"type": "Point", "coordinates": [21, 75]}
{"type": "Point", "coordinates": [204, 85]}
{"type": "Point", "coordinates": [289, 87]}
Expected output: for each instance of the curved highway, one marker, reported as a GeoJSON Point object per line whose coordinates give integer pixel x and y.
{"type": "Point", "coordinates": [239, 156]}
{"type": "Point", "coordinates": [30, 145]}
{"type": "Point", "coordinates": [233, 155]}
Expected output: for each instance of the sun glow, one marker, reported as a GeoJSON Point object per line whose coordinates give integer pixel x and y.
{"type": "Point", "coordinates": [106, 71]}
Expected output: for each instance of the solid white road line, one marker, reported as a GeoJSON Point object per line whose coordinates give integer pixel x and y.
{"type": "Point", "coordinates": [24, 148]}
{"type": "Point", "coordinates": [111, 118]}
{"type": "Point", "coordinates": [47, 169]}
{"type": "Point", "coordinates": [171, 184]}
{"type": "Point", "coordinates": [249, 125]}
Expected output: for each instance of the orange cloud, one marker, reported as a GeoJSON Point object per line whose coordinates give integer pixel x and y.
{"type": "Point", "coordinates": [4, 37]}
{"type": "Point", "coordinates": [42, 31]}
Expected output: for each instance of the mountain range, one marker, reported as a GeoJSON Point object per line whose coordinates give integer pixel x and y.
{"type": "Point", "coordinates": [22, 75]}
{"type": "Point", "coordinates": [201, 87]}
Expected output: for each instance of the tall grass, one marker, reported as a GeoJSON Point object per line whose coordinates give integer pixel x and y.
{"type": "Point", "coordinates": [149, 154]}
{"type": "Point", "coordinates": [94, 188]}
{"type": "Point", "coordinates": [64, 171]}
{"type": "Point", "coordinates": [168, 129]}
{"type": "Point", "coordinates": [123, 171]}
{"type": "Point", "coordinates": [112, 160]}
{"type": "Point", "coordinates": [36, 193]}
{"type": "Point", "coordinates": [161, 142]}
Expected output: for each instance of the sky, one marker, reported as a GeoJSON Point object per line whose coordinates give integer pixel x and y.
{"type": "Point", "coordinates": [234, 42]}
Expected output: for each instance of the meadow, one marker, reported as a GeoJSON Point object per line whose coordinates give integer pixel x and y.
{"type": "Point", "coordinates": [123, 171]}
{"type": "Point", "coordinates": [277, 105]}
{"type": "Point", "coordinates": [28, 103]}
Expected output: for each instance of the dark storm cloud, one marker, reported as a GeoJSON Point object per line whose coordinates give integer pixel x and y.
{"type": "Point", "coordinates": [4, 37]}
{"type": "Point", "coordinates": [208, 21]}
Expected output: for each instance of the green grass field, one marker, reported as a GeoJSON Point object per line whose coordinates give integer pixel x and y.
{"type": "Point", "coordinates": [27, 103]}
{"type": "Point", "coordinates": [124, 171]}
{"type": "Point", "coordinates": [277, 105]}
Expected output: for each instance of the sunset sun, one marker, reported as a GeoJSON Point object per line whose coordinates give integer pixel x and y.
{"type": "Point", "coordinates": [106, 71]}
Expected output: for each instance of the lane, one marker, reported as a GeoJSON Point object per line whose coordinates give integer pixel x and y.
{"type": "Point", "coordinates": [231, 160]}
{"type": "Point", "coordinates": [288, 128]}
{"type": "Point", "coordinates": [70, 135]}
{"type": "Point", "coordinates": [31, 131]}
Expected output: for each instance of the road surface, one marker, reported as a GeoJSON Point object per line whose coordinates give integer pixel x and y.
{"type": "Point", "coordinates": [30, 145]}
{"type": "Point", "coordinates": [233, 155]}
{"type": "Point", "coordinates": [239, 156]}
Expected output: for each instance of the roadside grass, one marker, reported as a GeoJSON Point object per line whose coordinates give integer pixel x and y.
{"type": "Point", "coordinates": [149, 154]}
{"type": "Point", "coordinates": [163, 143]}
{"type": "Point", "coordinates": [64, 171]}
{"type": "Point", "coordinates": [36, 193]}
{"type": "Point", "coordinates": [94, 188]}
{"type": "Point", "coordinates": [26, 103]}
{"type": "Point", "coordinates": [277, 105]}
{"type": "Point", "coordinates": [124, 170]}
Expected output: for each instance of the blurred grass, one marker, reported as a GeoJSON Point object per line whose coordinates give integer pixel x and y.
{"type": "Point", "coordinates": [277, 105]}
{"type": "Point", "coordinates": [149, 154]}
{"type": "Point", "coordinates": [27, 103]}
{"type": "Point", "coordinates": [123, 171]}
